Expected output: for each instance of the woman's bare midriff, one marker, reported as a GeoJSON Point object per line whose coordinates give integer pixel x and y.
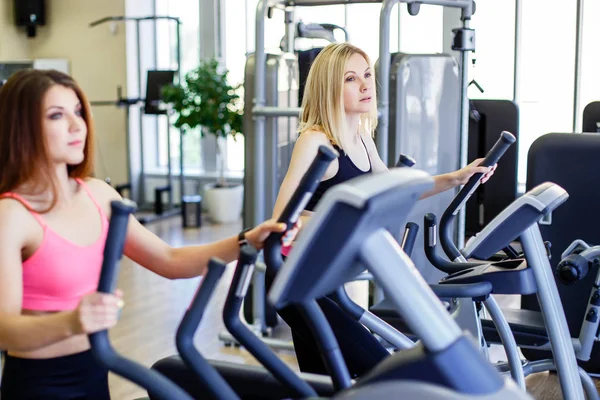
{"type": "Point", "coordinates": [74, 344]}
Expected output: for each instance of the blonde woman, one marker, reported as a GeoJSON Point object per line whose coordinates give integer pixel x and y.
{"type": "Point", "coordinates": [340, 111]}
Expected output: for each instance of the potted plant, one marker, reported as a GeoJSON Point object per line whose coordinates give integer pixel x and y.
{"type": "Point", "coordinates": [204, 99]}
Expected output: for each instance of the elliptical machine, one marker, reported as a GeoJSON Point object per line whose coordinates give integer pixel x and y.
{"type": "Point", "coordinates": [430, 368]}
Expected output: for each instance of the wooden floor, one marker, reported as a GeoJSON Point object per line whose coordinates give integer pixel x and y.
{"type": "Point", "coordinates": [154, 307]}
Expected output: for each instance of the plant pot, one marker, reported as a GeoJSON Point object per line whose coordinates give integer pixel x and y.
{"type": "Point", "coordinates": [224, 204]}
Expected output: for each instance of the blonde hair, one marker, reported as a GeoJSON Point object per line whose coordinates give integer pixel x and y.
{"type": "Point", "coordinates": [323, 100]}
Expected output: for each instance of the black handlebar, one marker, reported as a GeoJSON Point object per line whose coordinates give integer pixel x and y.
{"type": "Point", "coordinates": [572, 268]}
{"type": "Point", "coordinates": [405, 161]}
{"type": "Point", "coordinates": [212, 381]}
{"type": "Point", "coordinates": [292, 211]}
{"type": "Point", "coordinates": [446, 222]}
{"type": "Point", "coordinates": [155, 383]}
{"type": "Point", "coordinates": [231, 318]}
{"type": "Point", "coordinates": [115, 240]}
{"type": "Point", "coordinates": [430, 235]}
{"type": "Point", "coordinates": [477, 291]}
{"type": "Point", "coordinates": [410, 236]}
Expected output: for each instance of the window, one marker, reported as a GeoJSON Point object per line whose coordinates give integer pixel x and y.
{"type": "Point", "coordinates": [590, 58]}
{"type": "Point", "coordinates": [546, 74]}
{"type": "Point", "coordinates": [546, 64]}
{"type": "Point", "coordinates": [494, 24]}
{"type": "Point", "coordinates": [236, 43]}
{"type": "Point", "coordinates": [188, 13]}
{"type": "Point", "coordinates": [418, 34]}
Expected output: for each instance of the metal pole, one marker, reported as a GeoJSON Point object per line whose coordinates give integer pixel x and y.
{"type": "Point", "coordinates": [464, 131]}
{"type": "Point", "coordinates": [156, 118]}
{"type": "Point", "coordinates": [517, 66]}
{"type": "Point", "coordinates": [127, 138]}
{"type": "Point", "coordinates": [142, 186]}
{"type": "Point", "coordinates": [384, 79]}
{"type": "Point", "coordinates": [409, 293]}
{"type": "Point", "coordinates": [399, 35]}
{"type": "Point", "coordinates": [179, 80]}
{"type": "Point", "coordinates": [169, 167]}
{"type": "Point", "coordinates": [346, 17]}
{"type": "Point", "coordinates": [128, 148]}
{"type": "Point", "coordinates": [553, 313]}
{"type": "Point", "coordinates": [270, 111]}
{"type": "Point", "coordinates": [258, 183]}
{"type": "Point", "coordinates": [577, 77]}
{"type": "Point", "coordinates": [291, 63]}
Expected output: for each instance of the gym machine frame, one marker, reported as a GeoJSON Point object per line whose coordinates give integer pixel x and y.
{"type": "Point", "coordinates": [464, 41]}
{"type": "Point", "coordinates": [127, 102]}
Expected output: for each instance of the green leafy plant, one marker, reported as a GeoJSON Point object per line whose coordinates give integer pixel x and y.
{"type": "Point", "coordinates": [205, 99]}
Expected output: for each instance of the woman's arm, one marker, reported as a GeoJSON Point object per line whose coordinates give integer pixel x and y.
{"type": "Point", "coordinates": [442, 182]}
{"type": "Point", "coordinates": [306, 149]}
{"type": "Point", "coordinates": [451, 180]}
{"type": "Point", "coordinates": [151, 252]}
{"type": "Point", "coordinates": [148, 250]}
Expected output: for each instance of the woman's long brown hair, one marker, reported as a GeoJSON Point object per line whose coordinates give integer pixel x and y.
{"type": "Point", "coordinates": [24, 156]}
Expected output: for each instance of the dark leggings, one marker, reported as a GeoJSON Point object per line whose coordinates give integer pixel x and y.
{"type": "Point", "coordinates": [361, 350]}
{"type": "Point", "coordinates": [72, 377]}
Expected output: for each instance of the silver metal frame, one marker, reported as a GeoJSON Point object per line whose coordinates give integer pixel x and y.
{"type": "Point", "coordinates": [508, 341]}
{"type": "Point", "coordinates": [256, 212]}
{"type": "Point", "coordinates": [259, 324]}
{"type": "Point", "coordinates": [517, 52]}
{"type": "Point", "coordinates": [554, 315]}
{"type": "Point", "coordinates": [577, 72]}
{"type": "Point", "coordinates": [588, 333]}
{"type": "Point", "coordinates": [551, 306]}
{"type": "Point", "coordinates": [386, 331]}
{"type": "Point", "coordinates": [415, 301]}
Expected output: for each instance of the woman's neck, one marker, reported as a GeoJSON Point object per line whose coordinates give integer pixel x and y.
{"type": "Point", "coordinates": [352, 125]}
{"type": "Point", "coordinates": [64, 185]}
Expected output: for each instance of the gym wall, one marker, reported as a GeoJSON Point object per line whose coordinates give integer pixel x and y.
{"type": "Point", "coordinates": [14, 45]}
{"type": "Point", "coordinates": [97, 60]}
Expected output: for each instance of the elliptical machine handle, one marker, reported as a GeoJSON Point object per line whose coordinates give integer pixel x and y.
{"type": "Point", "coordinates": [430, 235]}
{"type": "Point", "coordinates": [291, 212]}
{"type": "Point", "coordinates": [263, 354]}
{"type": "Point", "coordinates": [155, 383]}
{"type": "Point", "coordinates": [405, 161]}
{"type": "Point", "coordinates": [213, 383]}
{"type": "Point", "coordinates": [504, 142]}
{"type": "Point", "coordinates": [115, 240]}
{"type": "Point", "coordinates": [410, 236]}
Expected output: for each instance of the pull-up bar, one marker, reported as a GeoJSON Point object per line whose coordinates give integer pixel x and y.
{"type": "Point", "coordinates": [124, 18]}
{"type": "Point", "coordinates": [141, 195]}
{"type": "Point", "coordinates": [412, 4]}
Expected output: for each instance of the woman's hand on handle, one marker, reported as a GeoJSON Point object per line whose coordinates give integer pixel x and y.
{"type": "Point", "coordinates": [257, 236]}
{"type": "Point", "coordinates": [97, 311]}
{"type": "Point", "coordinates": [463, 175]}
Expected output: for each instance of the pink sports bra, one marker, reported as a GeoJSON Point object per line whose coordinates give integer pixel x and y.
{"type": "Point", "coordinates": [60, 272]}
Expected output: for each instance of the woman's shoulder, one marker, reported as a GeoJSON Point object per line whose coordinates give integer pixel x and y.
{"type": "Point", "coordinates": [314, 135]}
{"type": "Point", "coordinates": [309, 142]}
{"type": "Point", "coordinates": [13, 207]}
{"type": "Point", "coordinates": [102, 193]}
{"type": "Point", "coordinates": [16, 217]}
{"type": "Point", "coordinates": [101, 190]}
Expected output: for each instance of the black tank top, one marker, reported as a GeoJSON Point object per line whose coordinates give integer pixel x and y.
{"type": "Point", "coordinates": [346, 171]}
